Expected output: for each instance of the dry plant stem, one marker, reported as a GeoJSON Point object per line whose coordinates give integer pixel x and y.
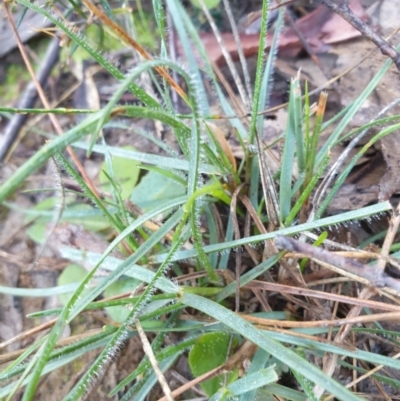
{"type": "Point", "coordinates": [227, 56]}
{"type": "Point", "coordinates": [304, 43]}
{"type": "Point", "coordinates": [183, 380]}
{"type": "Point", "coordinates": [8, 257]}
{"type": "Point", "coordinates": [267, 323]}
{"type": "Point", "coordinates": [364, 376]}
{"type": "Point", "coordinates": [235, 101]}
{"type": "Point", "coordinates": [149, 352]}
{"type": "Point", "coordinates": [331, 175]}
{"type": "Point", "coordinates": [378, 385]}
{"type": "Point", "coordinates": [254, 254]}
{"type": "Point", "coordinates": [334, 280]}
{"type": "Point", "coordinates": [374, 274]}
{"type": "Point", "coordinates": [238, 256]}
{"type": "Point", "coordinates": [172, 54]}
{"type": "Point", "coordinates": [12, 356]}
{"type": "Point", "coordinates": [129, 40]}
{"type": "Point", "coordinates": [330, 361]}
{"type": "Point", "coordinates": [149, 224]}
{"type": "Point", "coordinates": [321, 87]}
{"type": "Point", "coordinates": [390, 235]}
{"type": "Point", "coordinates": [269, 245]}
{"type": "Point", "coordinates": [334, 313]}
{"type": "Point", "coordinates": [344, 254]}
{"type": "Point", "coordinates": [44, 100]}
{"type": "Point", "coordinates": [378, 277]}
{"type": "Point", "coordinates": [356, 254]}
{"type": "Point", "coordinates": [218, 222]}
{"type": "Point", "coordinates": [341, 8]}
{"type": "Point", "coordinates": [38, 117]}
{"type": "Point", "coordinates": [366, 292]}
{"type": "Point", "coordinates": [253, 213]}
{"type": "Point", "coordinates": [58, 209]}
{"type": "Point", "coordinates": [338, 245]}
{"type": "Point", "coordinates": [263, 301]}
{"type": "Point", "coordinates": [28, 333]}
{"type": "Point", "coordinates": [239, 46]}
{"type": "Point", "coordinates": [354, 362]}
{"type": "Point", "coordinates": [251, 216]}
{"type": "Point", "coordinates": [389, 316]}
{"type": "Point", "coordinates": [246, 351]}
{"type": "Point", "coordinates": [187, 386]}
{"type": "Point", "coordinates": [28, 98]}
{"type": "Point", "coordinates": [269, 190]}
{"type": "Point", "coordinates": [286, 289]}
{"type": "Point", "coordinates": [356, 251]}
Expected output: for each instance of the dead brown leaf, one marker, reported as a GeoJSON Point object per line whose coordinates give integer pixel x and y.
{"type": "Point", "coordinates": [320, 27]}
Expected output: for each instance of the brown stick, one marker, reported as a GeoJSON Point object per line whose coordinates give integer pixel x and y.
{"type": "Point", "coordinates": [341, 8]}
{"type": "Point", "coordinates": [45, 102]}
{"type": "Point", "coordinates": [374, 274]}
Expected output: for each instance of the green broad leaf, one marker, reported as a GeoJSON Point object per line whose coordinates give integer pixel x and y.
{"type": "Point", "coordinates": [210, 351]}
{"type": "Point", "coordinates": [155, 189]}
{"type": "Point", "coordinates": [98, 39]}
{"type": "Point", "coordinates": [210, 4]}
{"type": "Point", "coordinates": [120, 313]}
{"type": "Point", "coordinates": [125, 174]}
{"type": "Point", "coordinates": [93, 223]}
{"type": "Point", "coordinates": [84, 216]}
{"type": "Point", "coordinates": [72, 274]}
{"type": "Point", "coordinates": [37, 230]}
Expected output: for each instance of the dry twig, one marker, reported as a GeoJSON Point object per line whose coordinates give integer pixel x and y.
{"type": "Point", "coordinates": [374, 274]}
{"type": "Point", "coordinates": [149, 352]}
{"type": "Point", "coordinates": [341, 8]}
{"type": "Point", "coordinates": [45, 101]}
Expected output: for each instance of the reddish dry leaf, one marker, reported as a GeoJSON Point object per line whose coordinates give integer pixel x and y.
{"type": "Point", "coordinates": [336, 29]}
{"type": "Point", "coordinates": [319, 27]}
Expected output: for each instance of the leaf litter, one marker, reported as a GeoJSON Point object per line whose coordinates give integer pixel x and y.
{"type": "Point", "coordinates": [375, 177]}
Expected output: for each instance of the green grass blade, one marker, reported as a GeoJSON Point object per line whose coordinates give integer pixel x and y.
{"type": "Point", "coordinates": [42, 155]}
{"type": "Point", "coordinates": [84, 43]}
{"type": "Point", "coordinates": [180, 19]}
{"type": "Point", "coordinates": [358, 214]}
{"type": "Point", "coordinates": [121, 334]}
{"type": "Point", "coordinates": [289, 149]}
{"type": "Point", "coordinates": [259, 71]}
{"type": "Point", "coordinates": [275, 348]}
{"type": "Point", "coordinates": [352, 110]}
{"type": "Point", "coordinates": [340, 180]}
{"type": "Point", "coordinates": [267, 80]}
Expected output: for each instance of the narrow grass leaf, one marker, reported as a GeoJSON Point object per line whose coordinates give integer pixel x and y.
{"type": "Point", "coordinates": [84, 43]}
{"type": "Point", "coordinates": [263, 340]}
{"type": "Point", "coordinates": [289, 149]}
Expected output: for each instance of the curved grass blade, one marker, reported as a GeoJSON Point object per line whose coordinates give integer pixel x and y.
{"type": "Point", "coordinates": [275, 348]}
{"type": "Point", "coordinates": [316, 224]}
{"type": "Point", "coordinates": [84, 43]}
{"type": "Point", "coordinates": [110, 350]}
{"type": "Point", "coordinates": [340, 180]}
{"type": "Point", "coordinates": [291, 138]}
{"type": "Point", "coordinates": [136, 72]}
